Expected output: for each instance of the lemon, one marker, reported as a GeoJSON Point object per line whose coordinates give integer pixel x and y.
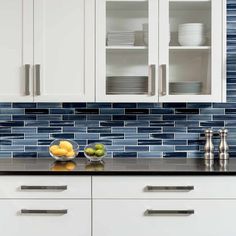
{"type": "Point", "coordinates": [89, 151]}
{"type": "Point", "coordinates": [99, 146]}
{"type": "Point", "coordinates": [70, 154]}
{"type": "Point", "coordinates": [66, 145]}
{"type": "Point", "coordinates": [53, 147]}
{"type": "Point", "coordinates": [59, 152]}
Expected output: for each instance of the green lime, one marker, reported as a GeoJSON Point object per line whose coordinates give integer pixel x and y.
{"type": "Point", "coordinates": [89, 151]}
{"type": "Point", "coordinates": [99, 153]}
{"type": "Point", "coordinates": [99, 146]}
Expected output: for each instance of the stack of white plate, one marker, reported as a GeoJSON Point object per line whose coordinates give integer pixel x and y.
{"type": "Point", "coordinates": [145, 33]}
{"type": "Point", "coordinates": [120, 38]}
{"type": "Point", "coordinates": [192, 34]}
{"type": "Point", "coordinates": [127, 85]}
{"type": "Point", "coordinates": [186, 87]}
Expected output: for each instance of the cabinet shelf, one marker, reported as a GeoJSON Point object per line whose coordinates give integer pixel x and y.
{"type": "Point", "coordinates": [126, 48]}
{"type": "Point", "coordinates": [181, 48]}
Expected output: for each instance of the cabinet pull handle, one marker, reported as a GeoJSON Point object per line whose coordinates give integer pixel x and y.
{"type": "Point", "coordinates": [169, 188]}
{"type": "Point", "coordinates": [149, 212]}
{"type": "Point", "coordinates": [53, 188]}
{"type": "Point", "coordinates": [37, 80]}
{"type": "Point", "coordinates": [27, 79]}
{"type": "Point", "coordinates": [163, 80]}
{"type": "Point", "coordinates": [151, 80]}
{"type": "Point", "coordinates": [44, 212]}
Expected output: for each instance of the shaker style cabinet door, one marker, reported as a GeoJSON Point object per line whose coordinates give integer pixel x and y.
{"type": "Point", "coordinates": [127, 51]}
{"type": "Point", "coordinates": [192, 51]}
{"type": "Point", "coordinates": [16, 50]}
{"type": "Point", "coordinates": [64, 50]}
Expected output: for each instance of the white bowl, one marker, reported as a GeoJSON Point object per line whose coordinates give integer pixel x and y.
{"type": "Point", "coordinates": [192, 41]}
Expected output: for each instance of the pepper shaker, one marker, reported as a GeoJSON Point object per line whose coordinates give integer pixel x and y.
{"type": "Point", "coordinates": [209, 148]}
{"type": "Point", "coordinates": [223, 147]}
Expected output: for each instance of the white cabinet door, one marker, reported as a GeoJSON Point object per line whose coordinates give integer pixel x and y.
{"type": "Point", "coordinates": [126, 64]}
{"type": "Point", "coordinates": [164, 217]}
{"type": "Point", "coordinates": [28, 217]}
{"type": "Point", "coordinates": [64, 50]}
{"type": "Point", "coordinates": [192, 68]}
{"type": "Point", "coordinates": [16, 47]}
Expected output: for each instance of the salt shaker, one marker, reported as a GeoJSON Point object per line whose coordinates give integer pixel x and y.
{"type": "Point", "coordinates": [223, 147]}
{"type": "Point", "coordinates": [209, 148]}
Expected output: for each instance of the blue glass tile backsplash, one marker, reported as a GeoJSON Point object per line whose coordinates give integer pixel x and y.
{"type": "Point", "coordinates": [128, 129]}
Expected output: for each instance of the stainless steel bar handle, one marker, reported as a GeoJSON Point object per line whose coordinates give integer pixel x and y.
{"type": "Point", "coordinates": [53, 188]}
{"type": "Point", "coordinates": [44, 212]}
{"type": "Point", "coordinates": [169, 188]}
{"type": "Point", "coordinates": [149, 212]}
{"type": "Point", "coordinates": [37, 80]}
{"type": "Point", "coordinates": [152, 80]}
{"type": "Point", "coordinates": [163, 80]}
{"type": "Point", "coordinates": [27, 79]}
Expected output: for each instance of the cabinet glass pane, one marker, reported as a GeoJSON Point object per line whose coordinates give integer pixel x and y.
{"type": "Point", "coordinates": [126, 47]}
{"type": "Point", "coordinates": [190, 47]}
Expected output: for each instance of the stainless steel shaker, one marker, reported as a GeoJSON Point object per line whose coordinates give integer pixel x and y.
{"type": "Point", "coordinates": [209, 148]}
{"type": "Point", "coordinates": [223, 147]}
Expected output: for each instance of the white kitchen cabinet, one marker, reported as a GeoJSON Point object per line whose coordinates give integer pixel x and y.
{"type": "Point", "coordinates": [64, 50]}
{"type": "Point", "coordinates": [126, 73]}
{"type": "Point", "coordinates": [164, 217]}
{"type": "Point", "coordinates": [166, 206]}
{"type": "Point", "coordinates": [45, 217]}
{"type": "Point", "coordinates": [200, 66]}
{"type": "Point", "coordinates": [160, 70]}
{"type": "Point", "coordinates": [47, 50]}
{"type": "Point", "coordinates": [16, 47]}
{"type": "Point", "coordinates": [45, 205]}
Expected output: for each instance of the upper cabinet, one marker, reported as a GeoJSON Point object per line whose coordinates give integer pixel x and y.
{"type": "Point", "coordinates": [161, 50]}
{"type": "Point", "coordinates": [64, 50]}
{"type": "Point", "coordinates": [16, 47]}
{"type": "Point", "coordinates": [47, 50]}
{"type": "Point", "coordinates": [132, 50]}
{"type": "Point", "coordinates": [126, 58]}
{"type": "Point", "coordinates": [192, 51]}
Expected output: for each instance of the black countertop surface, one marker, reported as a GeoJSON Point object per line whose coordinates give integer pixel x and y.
{"type": "Point", "coordinates": [118, 166]}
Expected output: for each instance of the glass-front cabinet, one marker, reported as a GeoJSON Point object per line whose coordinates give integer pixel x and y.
{"type": "Point", "coordinates": [160, 50]}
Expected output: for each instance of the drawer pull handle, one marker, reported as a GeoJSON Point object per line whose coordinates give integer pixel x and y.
{"type": "Point", "coordinates": [44, 212]}
{"type": "Point", "coordinates": [53, 188]}
{"type": "Point", "coordinates": [168, 212]}
{"type": "Point", "coordinates": [169, 188]}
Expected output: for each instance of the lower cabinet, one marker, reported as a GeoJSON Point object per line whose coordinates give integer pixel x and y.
{"type": "Point", "coordinates": [45, 217]}
{"type": "Point", "coordinates": [164, 217]}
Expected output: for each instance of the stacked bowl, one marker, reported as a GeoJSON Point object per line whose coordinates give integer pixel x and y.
{"type": "Point", "coordinates": [192, 34]}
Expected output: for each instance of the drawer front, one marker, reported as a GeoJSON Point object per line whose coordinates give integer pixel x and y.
{"type": "Point", "coordinates": [45, 217]}
{"type": "Point", "coordinates": [45, 187]}
{"type": "Point", "coordinates": [164, 217]}
{"type": "Point", "coordinates": [164, 187]}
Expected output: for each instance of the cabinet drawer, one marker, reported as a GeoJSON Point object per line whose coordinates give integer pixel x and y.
{"type": "Point", "coordinates": [45, 187]}
{"type": "Point", "coordinates": [172, 217]}
{"type": "Point", "coordinates": [164, 187]}
{"type": "Point", "coordinates": [45, 217]}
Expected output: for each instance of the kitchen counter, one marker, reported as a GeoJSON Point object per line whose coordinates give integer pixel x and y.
{"type": "Point", "coordinates": [121, 166]}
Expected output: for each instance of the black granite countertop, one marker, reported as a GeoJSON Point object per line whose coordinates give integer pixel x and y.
{"type": "Point", "coordinates": [121, 166]}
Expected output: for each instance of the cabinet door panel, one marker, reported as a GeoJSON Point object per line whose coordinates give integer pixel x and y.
{"type": "Point", "coordinates": [126, 69]}
{"type": "Point", "coordinates": [16, 47]}
{"type": "Point", "coordinates": [193, 217]}
{"type": "Point", "coordinates": [64, 48]}
{"type": "Point", "coordinates": [76, 221]}
{"type": "Point", "coordinates": [192, 57]}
